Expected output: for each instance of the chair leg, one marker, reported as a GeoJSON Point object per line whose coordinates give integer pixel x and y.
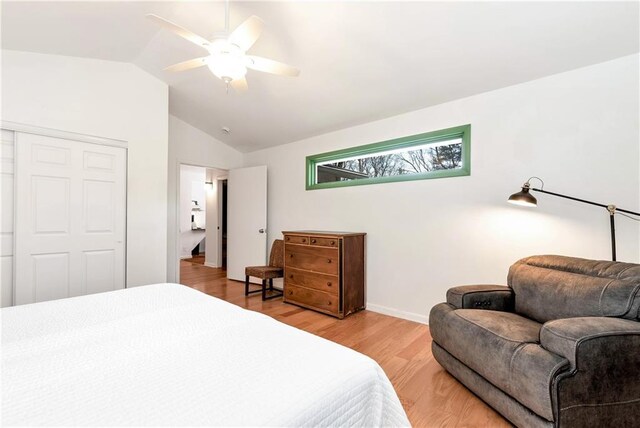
{"type": "Point", "coordinates": [264, 289]}
{"type": "Point", "coordinates": [247, 284]}
{"type": "Point", "coordinates": [274, 292]}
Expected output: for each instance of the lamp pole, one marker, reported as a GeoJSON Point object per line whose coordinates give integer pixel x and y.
{"type": "Point", "coordinates": [612, 212]}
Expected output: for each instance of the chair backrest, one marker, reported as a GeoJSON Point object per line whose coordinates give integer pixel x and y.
{"type": "Point", "coordinates": [276, 258]}
{"type": "Point", "coordinates": [553, 287]}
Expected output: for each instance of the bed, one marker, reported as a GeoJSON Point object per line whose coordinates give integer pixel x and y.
{"type": "Point", "coordinates": [169, 355]}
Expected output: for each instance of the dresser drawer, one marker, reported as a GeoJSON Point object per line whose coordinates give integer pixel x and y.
{"type": "Point", "coordinates": [313, 298]}
{"type": "Point", "coordinates": [296, 239]}
{"type": "Point", "coordinates": [324, 242]}
{"type": "Point", "coordinates": [327, 283]}
{"type": "Point", "coordinates": [317, 259]}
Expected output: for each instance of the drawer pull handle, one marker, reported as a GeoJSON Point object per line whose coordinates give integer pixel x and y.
{"type": "Point", "coordinates": [329, 302]}
{"type": "Point", "coordinates": [288, 239]}
{"type": "Point", "coordinates": [313, 241]}
{"type": "Point", "coordinates": [290, 292]}
{"type": "Point", "coordinates": [333, 242]}
{"type": "Point", "coordinates": [291, 276]}
{"type": "Point", "coordinates": [329, 284]}
{"type": "Point", "coordinates": [328, 260]}
{"type": "Point", "coordinates": [291, 255]}
{"type": "Point", "coordinates": [304, 240]}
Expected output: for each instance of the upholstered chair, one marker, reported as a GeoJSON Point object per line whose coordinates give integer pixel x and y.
{"type": "Point", "coordinates": [275, 269]}
{"type": "Point", "coordinates": [558, 346]}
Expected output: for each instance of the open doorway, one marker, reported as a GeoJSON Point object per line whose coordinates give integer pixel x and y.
{"type": "Point", "coordinates": [202, 217]}
{"type": "Point", "coordinates": [223, 231]}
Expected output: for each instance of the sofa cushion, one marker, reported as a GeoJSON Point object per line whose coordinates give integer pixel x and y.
{"type": "Point", "coordinates": [502, 347]}
{"type": "Point", "coordinates": [554, 287]}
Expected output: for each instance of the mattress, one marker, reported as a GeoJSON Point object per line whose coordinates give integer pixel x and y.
{"type": "Point", "coordinates": [168, 355]}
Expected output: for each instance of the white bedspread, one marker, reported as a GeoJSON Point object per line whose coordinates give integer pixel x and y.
{"type": "Point", "coordinates": [169, 355]}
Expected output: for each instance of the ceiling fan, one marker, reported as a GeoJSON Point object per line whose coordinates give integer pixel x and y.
{"type": "Point", "coordinates": [227, 57]}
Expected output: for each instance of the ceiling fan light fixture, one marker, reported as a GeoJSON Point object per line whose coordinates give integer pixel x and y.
{"type": "Point", "coordinates": [228, 64]}
{"type": "Point", "coordinates": [227, 57]}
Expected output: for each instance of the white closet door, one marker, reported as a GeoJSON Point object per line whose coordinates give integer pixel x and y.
{"type": "Point", "coordinates": [71, 218]}
{"type": "Point", "coordinates": [6, 223]}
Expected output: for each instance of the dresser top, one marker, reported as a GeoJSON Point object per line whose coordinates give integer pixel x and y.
{"type": "Point", "coordinates": [321, 232]}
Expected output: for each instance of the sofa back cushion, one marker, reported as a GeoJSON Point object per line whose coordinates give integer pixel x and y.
{"type": "Point", "coordinates": [554, 287]}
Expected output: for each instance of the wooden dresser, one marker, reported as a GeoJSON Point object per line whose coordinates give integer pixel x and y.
{"type": "Point", "coordinates": [324, 271]}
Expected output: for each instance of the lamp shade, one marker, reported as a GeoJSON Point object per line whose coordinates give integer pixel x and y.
{"type": "Point", "coordinates": [523, 198]}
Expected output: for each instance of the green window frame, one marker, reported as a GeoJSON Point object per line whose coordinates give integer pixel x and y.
{"type": "Point", "coordinates": [459, 132]}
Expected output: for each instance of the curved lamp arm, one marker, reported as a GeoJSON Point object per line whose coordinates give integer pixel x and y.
{"type": "Point", "coordinates": [525, 198]}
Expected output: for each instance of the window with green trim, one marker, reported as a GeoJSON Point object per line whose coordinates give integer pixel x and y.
{"type": "Point", "coordinates": [437, 154]}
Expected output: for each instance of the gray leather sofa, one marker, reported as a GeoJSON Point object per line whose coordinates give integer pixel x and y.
{"type": "Point", "coordinates": [558, 347]}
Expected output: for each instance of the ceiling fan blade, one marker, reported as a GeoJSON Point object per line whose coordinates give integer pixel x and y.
{"type": "Point", "coordinates": [240, 85]}
{"type": "Point", "coordinates": [247, 33]}
{"type": "Point", "coordinates": [271, 66]}
{"type": "Point", "coordinates": [182, 32]}
{"type": "Point", "coordinates": [188, 65]}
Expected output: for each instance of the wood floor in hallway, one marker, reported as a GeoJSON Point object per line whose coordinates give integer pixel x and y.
{"type": "Point", "coordinates": [430, 396]}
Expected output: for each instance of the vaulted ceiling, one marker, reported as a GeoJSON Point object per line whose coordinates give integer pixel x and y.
{"type": "Point", "coordinates": [360, 61]}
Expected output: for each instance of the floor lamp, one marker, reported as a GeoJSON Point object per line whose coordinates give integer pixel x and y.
{"type": "Point", "coordinates": [526, 199]}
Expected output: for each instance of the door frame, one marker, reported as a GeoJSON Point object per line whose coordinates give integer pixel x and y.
{"type": "Point", "coordinates": [23, 128]}
{"type": "Point", "coordinates": [176, 225]}
{"type": "Point", "coordinates": [65, 135]}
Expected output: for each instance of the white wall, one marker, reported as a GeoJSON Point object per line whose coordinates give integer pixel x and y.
{"type": "Point", "coordinates": [106, 99]}
{"type": "Point", "coordinates": [189, 145]}
{"type": "Point", "coordinates": [578, 130]}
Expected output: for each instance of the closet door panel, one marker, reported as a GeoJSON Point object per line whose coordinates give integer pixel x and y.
{"type": "Point", "coordinates": [70, 228]}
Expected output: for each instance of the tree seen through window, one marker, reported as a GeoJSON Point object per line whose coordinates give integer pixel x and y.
{"type": "Point", "coordinates": [439, 157]}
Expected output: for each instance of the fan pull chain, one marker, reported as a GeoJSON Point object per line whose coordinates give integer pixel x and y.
{"type": "Point", "coordinates": [226, 21]}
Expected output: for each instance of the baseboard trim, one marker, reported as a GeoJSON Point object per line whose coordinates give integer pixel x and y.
{"type": "Point", "coordinates": [211, 265]}
{"type": "Point", "coordinates": [411, 316]}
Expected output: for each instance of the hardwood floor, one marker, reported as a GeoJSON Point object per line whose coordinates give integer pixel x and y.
{"type": "Point", "coordinates": [198, 260]}
{"type": "Point", "coordinates": [430, 396]}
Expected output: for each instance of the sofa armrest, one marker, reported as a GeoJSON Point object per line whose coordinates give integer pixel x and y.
{"type": "Point", "coordinates": [566, 336]}
{"type": "Point", "coordinates": [601, 386]}
{"type": "Point", "coordinates": [493, 297]}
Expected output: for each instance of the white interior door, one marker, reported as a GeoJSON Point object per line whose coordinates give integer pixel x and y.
{"type": "Point", "coordinates": [246, 220]}
{"type": "Point", "coordinates": [71, 218]}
